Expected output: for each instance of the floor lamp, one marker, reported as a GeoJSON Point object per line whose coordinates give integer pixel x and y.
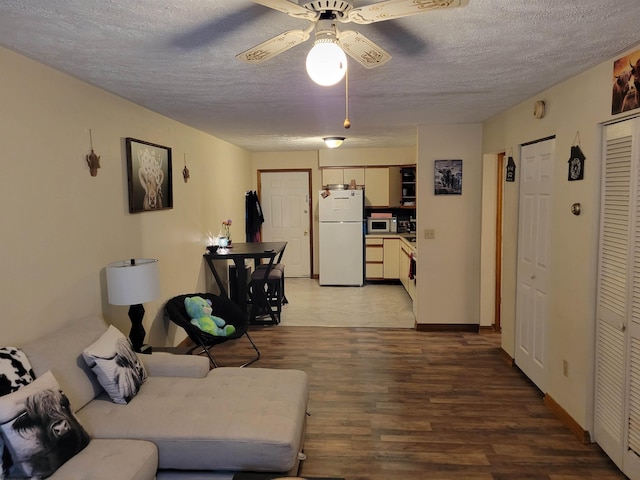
{"type": "Point", "coordinates": [133, 282]}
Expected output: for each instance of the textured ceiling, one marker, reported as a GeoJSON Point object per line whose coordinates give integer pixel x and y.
{"type": "Point", "coordinates": [456, 65]}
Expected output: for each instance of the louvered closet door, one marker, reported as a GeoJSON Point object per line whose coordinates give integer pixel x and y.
{"type": "Point", "coordinates": [631, 460]}
{"type": "Point", "coordinates": [618, 310]}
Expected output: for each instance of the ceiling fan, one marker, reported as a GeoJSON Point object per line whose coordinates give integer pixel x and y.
{"type": "Point", "coordinates": [324, 16]}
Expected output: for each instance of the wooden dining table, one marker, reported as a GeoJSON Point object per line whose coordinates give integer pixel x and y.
{"type": "Point", "coordinates": [239, 253]}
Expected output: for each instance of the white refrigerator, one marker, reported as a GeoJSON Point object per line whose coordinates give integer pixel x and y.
{"type": "Point", "coordinates": [341, 217]}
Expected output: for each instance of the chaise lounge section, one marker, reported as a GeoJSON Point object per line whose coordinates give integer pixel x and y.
{"type": "Point", "coordinates": [191, 421]}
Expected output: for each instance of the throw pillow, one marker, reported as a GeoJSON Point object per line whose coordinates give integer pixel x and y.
{"type": "Point", "coordinates": [117, 366]}
{"type": "Point", "coordinates": [38, 426]}
{"type": "Point", "coordinates": [15, 372]}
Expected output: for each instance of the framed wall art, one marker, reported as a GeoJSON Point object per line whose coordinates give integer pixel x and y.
{"type": "Point", "coordinates": [447, 177]}
{"type": "Point", "coordinates": [149, 176]}
{"type": "Point", "coordinates": [626, 83]}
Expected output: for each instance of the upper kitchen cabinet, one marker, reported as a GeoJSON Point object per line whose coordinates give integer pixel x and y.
{"type": "Point", "coordinates": [408, 176]}
{"type": "Point", "coordinates": [342, 176]}
{"type": "Point", "coordinates": [382, 187]}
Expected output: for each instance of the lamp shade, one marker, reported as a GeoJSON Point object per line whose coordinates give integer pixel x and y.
{"type": "Point", "coordinates": [326, 62]}
{"type": "Point", "coordinates": [132, 282]}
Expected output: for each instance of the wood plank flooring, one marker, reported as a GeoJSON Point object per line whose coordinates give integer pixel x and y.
{"type": "Point", "coordinates": [398, 404]}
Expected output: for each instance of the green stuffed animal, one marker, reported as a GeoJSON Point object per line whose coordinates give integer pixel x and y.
{"type": "Point", "coordinates": [199, 310]}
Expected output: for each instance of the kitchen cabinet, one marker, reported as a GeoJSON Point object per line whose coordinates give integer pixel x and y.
{"type": "Point", "coordinates": [409, 186]}
{"type": "Point", "coordinates": [374, 258]}
{"type": "Point", "coordinates": [342, 176]}
{"type": "Point", "coordinates": [404, 269]}
{"type": "Point", "coordinates": [382, 186]}
{"type": "Point", "coordinates": [391, 258]}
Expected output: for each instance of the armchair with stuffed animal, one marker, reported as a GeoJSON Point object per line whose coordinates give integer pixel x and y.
{"type": "Point", "coordinates": [200, 310]}
{"type": "Point", "coordinates": [209, 320]}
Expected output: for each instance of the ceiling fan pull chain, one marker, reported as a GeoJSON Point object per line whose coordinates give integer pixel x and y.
{"type": "Point", "coordinates": [347, 122]}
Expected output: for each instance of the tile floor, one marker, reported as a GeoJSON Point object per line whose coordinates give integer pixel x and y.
{"type": "Point", "coordinates": [373, 305]}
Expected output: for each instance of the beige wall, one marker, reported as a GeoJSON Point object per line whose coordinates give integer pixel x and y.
{"type": "Point", "coordinates": [448, 267]}
{"type": "Point", "coordinates": [60, 226]}
{"type": "Point", "coordinates": [580, 104]}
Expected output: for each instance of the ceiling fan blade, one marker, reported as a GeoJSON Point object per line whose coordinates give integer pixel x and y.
{"type": "Point", "coordinates": [274, 46]}
{"type": "Point", "coordinates": [292, 9]}
{"type": "Point", "coordinates": [391, 9]}
{"type": "Point", "coordinates": [362, 50]}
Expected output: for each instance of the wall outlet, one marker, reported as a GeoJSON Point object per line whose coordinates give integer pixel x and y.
{"type": "Point", "coordinates": [565, 368]}
{"type": "Point", "coordinates": [430, 234]}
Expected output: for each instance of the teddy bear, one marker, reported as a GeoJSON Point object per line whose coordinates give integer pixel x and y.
{"type": "Point", "coordinates": [199, 310]}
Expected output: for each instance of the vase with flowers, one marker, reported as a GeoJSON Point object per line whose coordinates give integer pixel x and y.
{"type": "Point", "coordinates": [226, 227]}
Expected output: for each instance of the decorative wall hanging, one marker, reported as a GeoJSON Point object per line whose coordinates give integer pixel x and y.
{"type": "Point", "coordinates": [539, 109]}
{"type": "Point", "coordinates": [576, 160]}
{"type": "Point", "coordinates": [447, 177]}
{"type": "Point", "coordinates": [93, 160]}
{"type": "Point", "coordinates": [626, 83]}
{"type": "Point", "coordinates": [149, 175]}
{"type": "Point", "coordinates": [511, 168]}
{"type": "Point", "coordinates": [185, 170]}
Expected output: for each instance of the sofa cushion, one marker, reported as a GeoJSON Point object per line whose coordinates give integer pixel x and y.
{"type": "Point", "coordinates": [233, 419]}
{"type": "Point", "coordinates": [39, 428]}
{"type": "Point", "coordinates": [118, 368]}
{"type": "Point", "coordinates": [112, 460]}
{"type": "Point", "coordinates": [15, 372]}
{"type": "Point", "coordinates": [61, 352]}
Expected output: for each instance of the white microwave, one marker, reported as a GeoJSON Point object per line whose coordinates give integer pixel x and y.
{"type": "Point", "coordinates": [382, 225]}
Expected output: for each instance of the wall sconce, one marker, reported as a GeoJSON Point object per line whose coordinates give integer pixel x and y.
{"type": "Point", "coordinates": [93, 160]}
{"type": "Point", "coordinates": [333, 142]}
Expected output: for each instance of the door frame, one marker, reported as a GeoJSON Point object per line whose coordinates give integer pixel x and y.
{"type": "Point", "coordinates": [499, 219]}
{"type": "Point", "coordinates": [308, 171]}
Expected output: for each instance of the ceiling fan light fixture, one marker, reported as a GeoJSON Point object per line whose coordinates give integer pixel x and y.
{"type": "Point", "coordinates": [333, 142]}
{"type": "Point", "coordinates": [326, 62]}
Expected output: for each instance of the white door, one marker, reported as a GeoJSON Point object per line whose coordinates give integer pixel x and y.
{"type": "Point", "coordinates": [286, 201]}
{"type": "Point", "coordinates": [617, 372]}
{"type": "Point", "coordinates": [534, 256]}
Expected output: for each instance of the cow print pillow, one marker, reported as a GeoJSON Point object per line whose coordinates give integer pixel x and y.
{"type": "Point", "coordinates": [39, 428]}
{"type": "Point", "coordinates": [15, 372]}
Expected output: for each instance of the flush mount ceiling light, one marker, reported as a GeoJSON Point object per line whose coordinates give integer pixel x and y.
{"type": "Point", "coordinates": [333, 142]}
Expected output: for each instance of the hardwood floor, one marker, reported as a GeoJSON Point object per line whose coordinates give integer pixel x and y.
{"type": "Point", "coordinates": [398, 404]}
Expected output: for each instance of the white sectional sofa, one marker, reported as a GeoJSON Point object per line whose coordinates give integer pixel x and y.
{"type": "Point", "coordinates": [186, 421]}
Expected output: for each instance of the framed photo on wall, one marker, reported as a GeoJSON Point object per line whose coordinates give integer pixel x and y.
{"type": "Point", "coordinates": [626, 83]}
{"type": "Point", "coordinates": [149, 176]}
{"type": "Point", "coordinates": [447, 177]}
